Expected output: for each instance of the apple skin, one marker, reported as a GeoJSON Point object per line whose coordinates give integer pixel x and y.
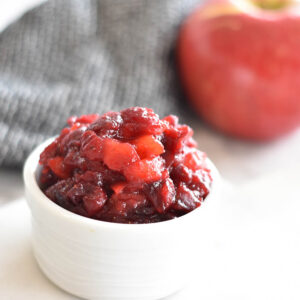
{"type": "Point", "coordinates": [241, 71]}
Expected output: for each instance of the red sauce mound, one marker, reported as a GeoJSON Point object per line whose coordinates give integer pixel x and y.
{"type": "Point", "coordinates": [127, 167]}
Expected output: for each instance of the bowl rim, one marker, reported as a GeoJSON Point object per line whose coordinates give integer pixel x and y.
{"type": "Point", "coordinates": [29, 177]}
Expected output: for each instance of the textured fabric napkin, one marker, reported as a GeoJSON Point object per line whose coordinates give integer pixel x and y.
{"type": "Point", "coordinates": [69, 57]}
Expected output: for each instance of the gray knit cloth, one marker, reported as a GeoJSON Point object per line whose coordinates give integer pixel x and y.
{"type": "Point", "coordinates": [72, 57]}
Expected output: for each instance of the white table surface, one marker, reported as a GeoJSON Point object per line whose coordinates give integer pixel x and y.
{"type": "Point", "coordinates": [252, 234]}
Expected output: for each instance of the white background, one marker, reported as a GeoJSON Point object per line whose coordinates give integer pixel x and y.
{"type": "Point", "coordinates": [251, 236]}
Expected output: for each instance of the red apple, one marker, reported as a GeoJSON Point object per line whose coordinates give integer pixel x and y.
{"type": "Point", "coordinates": [240, 66]}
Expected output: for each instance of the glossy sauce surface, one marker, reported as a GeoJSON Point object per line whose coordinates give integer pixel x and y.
{"type": "Point", "coordinates": [125, 167]}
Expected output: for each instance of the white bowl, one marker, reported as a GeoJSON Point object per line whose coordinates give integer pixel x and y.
{"type": "Point", "coordinates": [100, 260]}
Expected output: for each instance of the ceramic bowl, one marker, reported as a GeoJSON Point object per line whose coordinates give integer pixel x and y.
{"type": "Point", "coordinates": [100, 260]}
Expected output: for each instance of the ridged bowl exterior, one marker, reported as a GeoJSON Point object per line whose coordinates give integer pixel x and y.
{"type": "Point", "coordinates": [101, 260]}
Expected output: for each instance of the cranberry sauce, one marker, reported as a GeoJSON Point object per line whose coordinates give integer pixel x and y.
{"type": "Point", "coordinates": [125, 167]}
